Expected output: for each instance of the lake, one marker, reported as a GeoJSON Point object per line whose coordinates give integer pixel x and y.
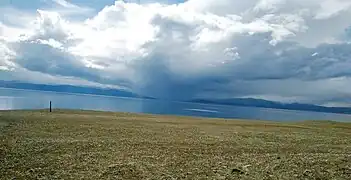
{"type": "Point", "coordinates": [11, 99]}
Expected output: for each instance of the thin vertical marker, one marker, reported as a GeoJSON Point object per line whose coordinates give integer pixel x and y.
{"type": "Point", "coordinates": [50, 107]}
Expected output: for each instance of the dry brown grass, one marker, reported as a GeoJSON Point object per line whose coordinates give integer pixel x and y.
{"type": "Point", "coordinates": [101, 145]}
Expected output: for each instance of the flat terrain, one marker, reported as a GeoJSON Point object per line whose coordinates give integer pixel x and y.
{"type": "Point", "coordinates": [102, 145]}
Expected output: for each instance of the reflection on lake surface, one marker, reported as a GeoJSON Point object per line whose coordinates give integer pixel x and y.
{"type": "Point", "coordinates": [26, 99]}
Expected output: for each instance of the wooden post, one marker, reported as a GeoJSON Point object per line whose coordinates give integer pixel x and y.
{"type": "Point", "coordinates": [50, 107]}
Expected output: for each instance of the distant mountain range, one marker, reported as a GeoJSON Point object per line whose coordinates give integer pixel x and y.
{"type": "Point", "coordinates": [71, 89]}
{"type": "Point", "coordinates": [250, 102]}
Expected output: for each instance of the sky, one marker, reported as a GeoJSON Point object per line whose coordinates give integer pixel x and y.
{"type": "Point", "coordinates": [281, 50]}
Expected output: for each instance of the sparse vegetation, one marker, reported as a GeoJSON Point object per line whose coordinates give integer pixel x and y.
{"type": "Point", "coordinates": [102, 145]}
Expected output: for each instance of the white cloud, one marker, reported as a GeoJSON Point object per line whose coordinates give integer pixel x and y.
{"type": "Point", "coordinates": [330, 8]}
{"type": "Point", "coordinates": [68, 9]}
{"type": "Point", "coordinates": [232, 48]}
{"type": "Point", "coordinates": [65, 4]}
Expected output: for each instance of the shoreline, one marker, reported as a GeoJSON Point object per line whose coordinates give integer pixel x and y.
{"type": "Point", "coordinates": [198, 118]}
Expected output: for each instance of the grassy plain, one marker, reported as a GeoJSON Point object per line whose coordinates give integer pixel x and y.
{"type": "Point", "coordinates": [103, 145]}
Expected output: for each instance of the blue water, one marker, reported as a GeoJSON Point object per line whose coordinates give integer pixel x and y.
{"type": "Point", "coordinates": [26, 99]}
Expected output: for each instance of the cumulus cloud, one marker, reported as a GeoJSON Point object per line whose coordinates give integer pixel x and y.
{"type": "Point", "coordinates": [225, 48]}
